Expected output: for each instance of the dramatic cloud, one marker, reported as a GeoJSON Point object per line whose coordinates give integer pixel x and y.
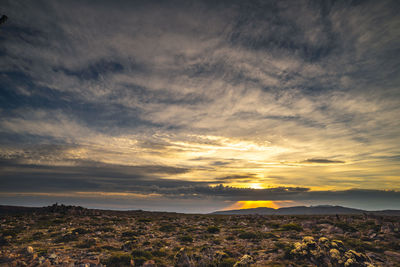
{"type": "Point", "coordinates": [322, 161]}
{"type": "Point", "coordinates": [104, 96]}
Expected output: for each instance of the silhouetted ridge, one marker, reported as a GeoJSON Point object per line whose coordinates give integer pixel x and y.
{"type": "Point", "coordinates": [303, 210]}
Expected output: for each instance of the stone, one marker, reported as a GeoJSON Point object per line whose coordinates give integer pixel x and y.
{"type": "Point", "coordinates": [29, 250]}
{"type": "Point", "coordinates": [244, 261]}
{"type": "Point", "coordinates": [335, 254]}
{"type": "Point", "coordinates": [182, 259]}
{"type": "Point", "coordinates": [149, 263]}
{"type": "Point", "coordinates": [392, 254]}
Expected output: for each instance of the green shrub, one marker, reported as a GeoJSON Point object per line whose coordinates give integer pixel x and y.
{"type": "Point", "coordinates": [268, 235]}
{"type": "Point", "coordinates": [216, 242]}
{"type": "Point", "coordinates": [248, 235]}
{"type": "Point", "coordinates": [345, 227]}
{"type": "Point", "coordinates": [12, 232]}
{"type": "Point", "coordinates": [37, 236]}
{"type": "Point", "coordinates": [286, 247]}
{"type": "Point", "coordinates": [139, 261]}
{"type": "Point", "coordinates": [129, 234]}
{"type": "Point", "coordinates": [279, 245]}
{"type": "Point", "coordinates": [227, 262]}
{"type": "Point", "coordinates": [213, 229]}
{"type": "Point", "coordinates": [186, 239]}
{"type": "Point", "coordinates": [66, 238]}
{"type": "Point", "coordinates": [145, 220]}
{"type": "Point", "coordinates": [287, 251]}
{"type": "Point", "coordinates": [159, 253]}
{"type": "Point", "coordinates": [87, 243]}
{"type": "Point", "coordinates": [140, 256]}
{"type": "Point", "coordinates": [274, 225]}
{"type": "Point", "coordinates": [105, 229]}
{"type": "Point", "coordinates": [167, 228]}
{"type": "Point", "coordinates": [58, 221]}
{"type": "Point", "coordinates": [361, 246]}
{"type": "Point", "coordinates": [291, 226]}
{"type": "Point", "coordinates": [3, 241]}
{"type": "Point", "coordinates": [141, 253]}
{"type": "Point", "coordinates": [41, 252]}
{"type": "Point", "coordinates": [119, 260]}
{"type": "Point", "coordinates": [80, 231]}
{"type": "Point", "coordinates": [107, 247]}
{"type": "Point", "coordinates": [368, 225]}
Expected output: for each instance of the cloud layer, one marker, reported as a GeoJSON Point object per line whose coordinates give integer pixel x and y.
{"type": "Point", "coordinates": [182, 95]}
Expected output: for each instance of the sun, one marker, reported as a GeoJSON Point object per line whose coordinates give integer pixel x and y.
{"type": "Point", "coordinates": [256, 186]}
{"type": "Point", "coordinates": [253, 204]}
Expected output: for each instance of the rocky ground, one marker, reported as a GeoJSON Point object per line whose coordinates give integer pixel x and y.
{"type": "Point", "coordinates": [72, 236]}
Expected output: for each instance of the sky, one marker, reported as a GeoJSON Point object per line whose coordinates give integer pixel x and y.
{"type": "Point", "coordinates": [197, 106]}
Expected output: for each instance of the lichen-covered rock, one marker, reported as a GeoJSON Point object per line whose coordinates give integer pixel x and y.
{"type": "Point", "coordinates": [308, 239]}
{"type": "Point", "coordinates": [29, 250]}
{"type": "Point", "coordinates": [181, 259]}
{"type": "Point", "coordinates": [244, 261]}
{"type": "Point", "coordinates": [323, 240]}
{"type": "Point", "coordinates": [334, 254]}
{"type": "Point", "coordinates": [326, 253]}
{"type": "Point", "coordinates": [338, 244]}
{"type": "Point", "coordinates": [349, 262]}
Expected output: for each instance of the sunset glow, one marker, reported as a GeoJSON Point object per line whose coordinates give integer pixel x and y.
{"type": "Point", "coordinates": [258, 204]}
{"type": "Point", "coordinates": [194, 105]}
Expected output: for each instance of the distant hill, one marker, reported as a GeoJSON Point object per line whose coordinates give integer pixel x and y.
{"type": "Point", "coordinates": [50, 209]}
{"type": "Point", "coordinates": [70, 210]}
{"type": "Point", "coordinates": [303, 210]}
{"type": "Point", "coordinates": [298, 210]}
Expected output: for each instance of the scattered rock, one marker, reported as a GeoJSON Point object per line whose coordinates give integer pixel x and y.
{"type": "Point", "coordinates": [182, 259]}
{"type": "Point", "coordinates": [29, 250]}
{"type": "Point", "coordinates": [245, 261]}
{"type": "Point", "coordinates": [328, 253]}
{"type": "Point", "coordinates": [392, 254]}
{"type": "Point", "coordinates": [149, 263]}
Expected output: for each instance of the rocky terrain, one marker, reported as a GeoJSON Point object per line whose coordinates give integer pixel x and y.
{"type": "Point", "coordinates": [73, 236]}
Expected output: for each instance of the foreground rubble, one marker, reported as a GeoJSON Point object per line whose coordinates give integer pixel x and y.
{"type": "Point", "coordinates": [73, 236]}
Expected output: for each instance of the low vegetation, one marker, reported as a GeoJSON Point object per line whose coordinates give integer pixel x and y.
{"type": "Point", "coordinates": [76, 236]}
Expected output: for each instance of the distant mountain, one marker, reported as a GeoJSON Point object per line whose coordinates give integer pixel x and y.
{"type": "Point", "coordinates": [298, 210]}
{"type": "Point", "coordinates": [303, 210]}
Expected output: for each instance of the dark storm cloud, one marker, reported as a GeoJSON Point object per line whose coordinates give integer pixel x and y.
{"type": "Point", "coordinates": [84, 176]}
{"type": "Point", "coordinates": [94, 177]}
{"type": "Point", "coordinates": [322, 161]}
{"type": "Point", "coordinates": [247, 176]}
{"type": "Point", "coordinates": [297, 194]}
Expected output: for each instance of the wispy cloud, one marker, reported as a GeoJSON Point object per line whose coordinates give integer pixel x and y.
{"type": "Point", "coordinates": [328, 161]}
{"type": "Point", "coordinates": [238, 93]}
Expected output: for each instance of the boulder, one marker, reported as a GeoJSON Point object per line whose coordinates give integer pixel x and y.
{"type": "Point", "coordinates": [149, 263]}
{"type": "Point", "coordinates": [182, 259]}
{"type": "Point", "coordinates": [29, 250]}
{"type": "Point", "coordinates": [244, 261]}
